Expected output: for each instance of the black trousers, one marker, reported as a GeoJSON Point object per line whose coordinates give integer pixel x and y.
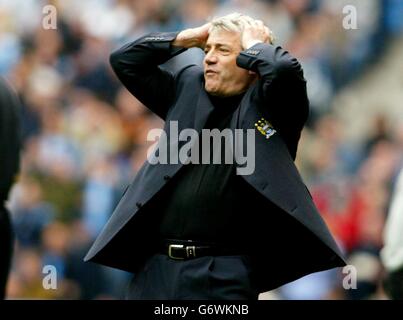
{"type": "Point", "coordinates": [6, 246]}
{"type": "Point", "coordinates": [204, 278]}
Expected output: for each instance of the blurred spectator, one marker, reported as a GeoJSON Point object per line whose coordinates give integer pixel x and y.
{"type": "Point", "coordinates": [30, 213]}
{"type": "Point", "coordinates": [99, 196]}
{"type": "Point", "coordinates": [28, 277]}
{"type": "Point", "coordinates": [378, 133]}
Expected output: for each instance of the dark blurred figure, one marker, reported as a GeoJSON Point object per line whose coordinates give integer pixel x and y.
{"type": "Point", "coordinates": [9, 165]}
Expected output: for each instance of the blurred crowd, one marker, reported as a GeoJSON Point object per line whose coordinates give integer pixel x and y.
{"type": "Point", "coordinates": [85, 136]}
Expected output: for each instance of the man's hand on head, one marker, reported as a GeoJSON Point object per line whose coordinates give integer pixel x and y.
{"type": "Point", "coordinates": [255, 32]}
{"type": "Point", "coordinates": [194, 37]}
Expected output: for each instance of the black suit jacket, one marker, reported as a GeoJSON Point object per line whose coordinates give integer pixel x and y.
{"type": "Point", "coordinates": [296, 241]}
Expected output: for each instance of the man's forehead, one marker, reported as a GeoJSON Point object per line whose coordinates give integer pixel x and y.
{"type": "Point", "coordinates": [224, 37]}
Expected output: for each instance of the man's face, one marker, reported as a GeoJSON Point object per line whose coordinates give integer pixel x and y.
{"type": "Point", "coordinates": [222, 76]}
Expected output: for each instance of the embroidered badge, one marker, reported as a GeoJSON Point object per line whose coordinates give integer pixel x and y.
{"type": "Point", "coordinates": [265, 128]}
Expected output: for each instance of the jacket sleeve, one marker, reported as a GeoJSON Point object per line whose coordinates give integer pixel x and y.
{"type": "Point", "coordinates": [280, 90]}
{"type": "Point", "coordinates": [137, 67]}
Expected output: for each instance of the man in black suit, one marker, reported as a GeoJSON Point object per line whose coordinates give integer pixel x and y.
{"type": "Point", "coordinates": [9, 164]}
{"type": "Point", "coordinates": [215, 231]}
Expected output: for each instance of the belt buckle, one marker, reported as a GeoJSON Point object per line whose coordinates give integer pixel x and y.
{"type": "Point", "coordinates": [191, 251]}
{"type": "Point", "coordinates": [178, 246]}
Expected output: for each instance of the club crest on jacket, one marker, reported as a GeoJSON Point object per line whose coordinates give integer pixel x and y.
{"type": "Point", "coordinates": [265, 128]}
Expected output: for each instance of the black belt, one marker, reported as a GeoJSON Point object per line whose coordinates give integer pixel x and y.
{"type": "Point", "coordinates": [188, 249]}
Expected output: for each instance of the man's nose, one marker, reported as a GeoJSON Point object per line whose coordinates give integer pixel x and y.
{"type": "Point", "coordinates": [210, 58]}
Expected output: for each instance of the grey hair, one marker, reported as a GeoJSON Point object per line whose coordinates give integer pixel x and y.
{"type": "Point", "coordinates": [234, 22]}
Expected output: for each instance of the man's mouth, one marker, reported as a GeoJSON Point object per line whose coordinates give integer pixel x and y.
{"type": "Point", "coordinates": [210, 72]}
